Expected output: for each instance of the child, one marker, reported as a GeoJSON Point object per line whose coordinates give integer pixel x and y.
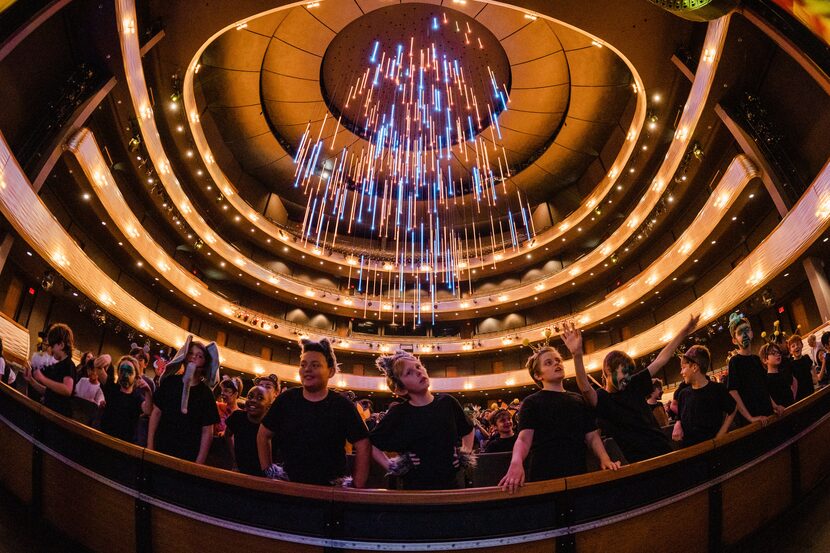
{"type": "Point", "coordinates": [801, 367]}
{"type": "Point", "coordinates": [780, 384]}
{"type": "Point", "coordinates": [271, 383]}
{"type": "Point", "coordinates": [56, 382]}
{"type": "Point", "coordinates": [823, 359]}
{"type": "Point", "coordinates": [706, 408]}
{"type": "Point", "coordinates": [621, 405]}
{"type": "Point", "coordinates": [229, 390]}
{"type": "Point", "coordinates": [127, 398]}
{"type": "Point", "coordinates": [241, 431]}
{"type": "Point", "coordinates": [311, 425]}
{"type": "Point", "coordinates": [555, 425]}
{"type": "Point", "coordinates": [425, 425]}
{"type": "Point", "coordinates": [89, 387]}
{"type": "Point", "coordinates": [184, 413]}
{"type": "Point", "coordinates": [504, 439]}
{"type": "Point", "coordinates": [655, 402]}
{"type": "Point", "coordinates": [747, 380]}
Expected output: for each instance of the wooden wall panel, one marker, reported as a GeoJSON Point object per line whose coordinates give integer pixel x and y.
{"type": "Point", "coordinates": [16, 465]}
{"type": "Point", "coordinates": [814, 456]}
{"type": "Point", "coordinates": [756, 496]}
{"type": "Point", "coordinates": [172, 532]}
{"type": "Point", "coordinates": [681, 526]}
{"type": "Point", "coordinates": [86, 510]}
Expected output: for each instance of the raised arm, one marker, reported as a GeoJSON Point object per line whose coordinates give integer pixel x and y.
{"type": "Point", "coordinates": [667, 352]}
{"type": "Point", "coordinates": [573, 341]}
{"type": "Point", "coordinates": [515, 477]}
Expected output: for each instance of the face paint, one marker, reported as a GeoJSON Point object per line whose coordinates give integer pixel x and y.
{"type": "Point", "coordinates": [745, 336]}
{"type": "Point", "coordinates": [126, 372]}
{"type": "Point", "coordinates": [627, 371]}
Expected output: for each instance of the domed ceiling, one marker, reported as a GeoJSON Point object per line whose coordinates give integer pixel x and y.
{"type": "Point", "coordinates": [463, 116]}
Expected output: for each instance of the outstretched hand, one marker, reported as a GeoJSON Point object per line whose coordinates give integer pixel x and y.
{"type": "Point", "coordinates": [690, 325]}
{"type": "Point", "coordinates": [572, 337]}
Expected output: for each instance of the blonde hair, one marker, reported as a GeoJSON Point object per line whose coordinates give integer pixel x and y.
{"type": "Point", "coordinates": [386, 365]}
{"type": "Point", "coordinates": [531, 362]}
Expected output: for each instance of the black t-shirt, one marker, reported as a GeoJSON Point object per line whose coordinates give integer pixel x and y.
{"type": "Point", "coordinates": [178, 434]}
{"type": "Point", "coordinates": [802, 370]}
{"type": "Point", "coordinates": [628, 418]}
{"type": "Point", "coordinates": [121, 412]}
{"type": "Point", "coordinates": [702, 411]}
{"type": "Point", "coordinates": [311, 435]}
{"type": "Point", "coordinates": [826, 357]}
{"type": "Point", "coordinates": [500, 445]}
{"type": "Point", "coordinates": [430, 432]}
{"type": "Point", "coordinates": [779, 386]}
{"type": "Point", "coordinates": [244, 442]}
{"type": "Point", "coordinates": [559, 421]}
{"type": "Point", "coordinates": [749, 378]}
{"type": "Point", "coordinates": [57, 372]}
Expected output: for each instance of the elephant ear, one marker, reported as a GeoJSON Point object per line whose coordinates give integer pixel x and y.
{"type": "Point", "coordinates": [212, 372]}
{"type": "Point", "coordinates": [172, 366]}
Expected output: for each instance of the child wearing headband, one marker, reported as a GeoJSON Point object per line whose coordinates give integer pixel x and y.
{"type": "Point", "coordinates": [747, 379]}
{"type": "Point", "coordinates": [426, 427]}
{"type": "Point", "coordinates": [311, 425]}
{"type": "Point", "coordinates": [555, 426]}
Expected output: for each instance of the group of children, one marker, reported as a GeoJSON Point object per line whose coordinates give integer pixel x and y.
{"type": "Point", "coordinates": [299, 435]}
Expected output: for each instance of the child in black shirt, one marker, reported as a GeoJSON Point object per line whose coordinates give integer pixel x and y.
{"type": "Point", "coordinates": [780, 383]}
{"type": "Point", "coordinates": [747, 378]}
{"type": "Point", "coordinates": [621, 405]}
{"type": "Point", "coordinates": [504, 438]}
{"type": "Point", "coordinates": [427, 427]}
{"type": "Point", "coordinates": [57, 381]}
{"type": "Point", "coordinates": [241, 430]}
{"type": "Point", "coordinates": [823, 359]}
{"type": "Point", "coordinates": [125, 401]}
{"type": "Point", "coordinates": [184, 413]}
{"type": "Point", "coordinates": [706, 408]}
{"type": "Point", "coordinates": [555, 426]}
{"type": "Point", "coordinates": [311, 425]}
{"type": "Point", "coordinates": [801, 367]}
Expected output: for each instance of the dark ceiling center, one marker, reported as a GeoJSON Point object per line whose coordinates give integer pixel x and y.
{"type": "Point", "coordinates": [416, 76]}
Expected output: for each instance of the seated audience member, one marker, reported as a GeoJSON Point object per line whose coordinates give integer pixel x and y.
{"type": "Point", "coordinates": [84, 364]}
{"type": "Point", "coordinates": [655, 402]}
{"type": "Point", "coordinates": [142, 355]}
{"type": "Point", "coordinates": [555, 426]}
{"type": "Point", "coordinates": [706, 407]}
{"type": "Point", "coordinates": [311, 425]}
{"type": "Point", "coordinates": [184, 411]}
{"type": "Point", "coordinates": [781, 384]}
{"type": "Point", "coordinates": [7, 375]}
{"type": "Point", "coordinates": [505, 437]}
{"type": "Point", "coordinates": [229, 390]}
{"type": "Point", "coordinates": [56, 381]}
{"type": "Point", "coordinates": [89, 387]}
{"type": "Point", "coordinates": [242, 429]}
{"type": "Point", "coordinates": [801, 367]}
{"type": "Point", "coordinates": [127, 397]}
{"type": "Point", "coordinates": [823, 359]}
{"type": "Point", "coordinates": [271, 383]}
{"type": "Point", "coordinates": [425, 426]}
{"type": "Point", "coordinates": [747, 380]}
{"type": "Point", "coordinates": [621, 405]}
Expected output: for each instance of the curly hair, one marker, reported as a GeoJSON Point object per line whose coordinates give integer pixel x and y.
{"type": "Point", "coordinates": [322, 346]}
{"type": "Point", "coordinates": [386, 365]}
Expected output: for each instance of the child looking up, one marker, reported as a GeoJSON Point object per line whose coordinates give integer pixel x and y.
{"type": "Point", "coordinates": [555, 426]}
{"type": "Point", "coordinates": [427, 426]}
{"type": "Point", "coordinates": [242, 429]}
{"type": "Point", "coordinates": [706, 408]}
{"type": "Point", "coordinates": [311, 425]}
{"type": "Point", "coordinates": [126, 400]}
{"type": "Point", "coordinates": [621, 406]}
{"type": "Point", "coordinates": [747, 379]}
{"type": "Point", "coordinates": [801, 367]}
{"type": "Point", "coordinates": [780, 384]}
